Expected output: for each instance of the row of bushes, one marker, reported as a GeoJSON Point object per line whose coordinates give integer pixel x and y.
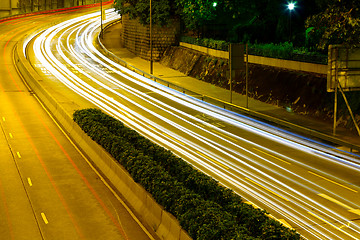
{"type": "Point", "coordinates": [284, 50]}
{"type": "Point", "coordinates": [204, 209]}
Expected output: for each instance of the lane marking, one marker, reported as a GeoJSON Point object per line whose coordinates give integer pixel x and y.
{"type": "Point", "coordinates": [356, 211]}
{"type": "Point", "coordinates": [224, 135]}
{"type": "Point", "coordinates": [332, 181]}
{"type": "Point", "coordinates": [18, 154]}
{"type": "Point", "coordinates": [173, 139]}
{"type": "Point", "coordinates": [252, 204]}
{"type": "Point", "coordinates": [213, 160]}
{"type": "Point", "coordinates": [3, 118]}
{"type": "Point", "coordinates": [128, 209]}
{"type": "Point", "coordinates": [350, 209]}
{"type": "Point", "coordinates": [178, 141]}
{"type": "Point", "coordinates": [283, 221]}
{"type": "Point", "coordinates": [268, 154]}
{"type": "Point", "coordinates": [338, 228]}
{"type": "Point", "coordinates": [334, 200]}
{"type": "Point", "coordinates": [29, 181]}
{"type": "Point", "coordinates": [267, 189]}
{"type": "Point", "coordinates": [11, 136]}
{"type": "Point", "coordinates": [346, 225]}
{"type": "Point", "coordinates": [44, 218]}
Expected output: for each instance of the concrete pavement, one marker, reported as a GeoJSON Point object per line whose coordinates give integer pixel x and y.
{"type": "Point", "coordinates": [305, 125]}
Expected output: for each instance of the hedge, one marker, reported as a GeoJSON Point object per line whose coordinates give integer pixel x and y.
{"type": "Point", "coordinates": [282, 50]}
{"type": "Point", "coordinates": [205, 209]}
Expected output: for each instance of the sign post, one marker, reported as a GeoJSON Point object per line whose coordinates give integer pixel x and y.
{"type": "Point", "coordinates": [343, 75]}
{"type": "Point", "coordinates": [236, 64]}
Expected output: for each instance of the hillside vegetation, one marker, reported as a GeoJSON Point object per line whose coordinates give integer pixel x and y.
{"type": "Point", "coordinates": [302, 92]}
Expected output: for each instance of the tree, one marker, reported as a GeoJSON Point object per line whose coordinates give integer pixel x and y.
{"type": "Point", "coordinates": [338, 24]}
{"type": "Point", "coordinates": [162, 10]}
{"type": "Point", "coordinates": [195, 13]}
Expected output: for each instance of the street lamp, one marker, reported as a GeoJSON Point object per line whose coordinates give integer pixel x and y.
{"type": "Point", "coordinates": [291, 6]}
{"type": "Point", "coordinates": [151, 44]}
{"type": "Point", "coordinates": [101, 21]}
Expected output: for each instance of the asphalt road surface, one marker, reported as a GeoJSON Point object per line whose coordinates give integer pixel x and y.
{"type": "Point", "coordinates": [48, 190]}
{"type": "Point", "coordinates": [308, 186]}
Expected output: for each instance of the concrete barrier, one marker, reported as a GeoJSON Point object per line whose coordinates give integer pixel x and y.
{"type": "Point", "coordinates": [273, 62]}
{"type": "Point", "coordinates": [152, 214]}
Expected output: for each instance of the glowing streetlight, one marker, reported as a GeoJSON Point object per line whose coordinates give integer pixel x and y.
{"type": "Point", "coordinates": [151, 42]}
{"type": "Point", "coordinates": [214, 4]}
{"type": "Point", "coordinates": [291, 6]}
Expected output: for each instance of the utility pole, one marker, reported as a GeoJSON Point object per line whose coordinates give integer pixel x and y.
{"type": "Point", "coordinates": [11, 13]}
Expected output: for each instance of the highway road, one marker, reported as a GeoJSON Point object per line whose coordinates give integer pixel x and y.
{"type": "Point", "coordinates": [309, 186]}
{"type": "Point", "coordinates": [48, 189]}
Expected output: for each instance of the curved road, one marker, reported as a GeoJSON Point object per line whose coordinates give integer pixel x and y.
{"type": "Point", "coordinates": [48, 190]}
{"type": "Point", "coordinates": [306, 185]}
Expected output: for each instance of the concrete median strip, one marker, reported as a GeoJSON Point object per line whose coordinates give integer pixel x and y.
{"type": "Point", "coordinates": [152, 214]}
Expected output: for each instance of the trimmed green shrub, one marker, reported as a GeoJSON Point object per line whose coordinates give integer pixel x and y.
{"type": "Point", "coordinates": [204, 209]}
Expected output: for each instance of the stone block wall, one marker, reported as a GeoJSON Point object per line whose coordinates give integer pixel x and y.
{"type": "Point", "coordinates": [136, 38]}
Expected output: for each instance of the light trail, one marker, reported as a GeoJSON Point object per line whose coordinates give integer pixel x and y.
{"type": "Point", "coordinates": [61, 48]}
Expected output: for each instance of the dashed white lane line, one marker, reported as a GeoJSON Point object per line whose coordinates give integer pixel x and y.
{"type": "Point", "coordinates": [44, 218]}
{"type": "Point", "coordinates": [29, 181]}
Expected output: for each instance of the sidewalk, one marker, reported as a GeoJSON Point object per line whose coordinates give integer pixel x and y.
{"type": "Point", "coordinates": [303, 124]}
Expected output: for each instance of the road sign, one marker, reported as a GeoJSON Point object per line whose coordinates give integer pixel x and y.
{"type": "Point", "coordinates": [343, 65]}
{"type": "Point", "coordinates": [343, 75]}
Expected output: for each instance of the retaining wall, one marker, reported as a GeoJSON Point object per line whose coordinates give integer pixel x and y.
{"type": "Point", "coordinates": [136, 38]}
{"type": "Point", "coordinates": [152, 214]}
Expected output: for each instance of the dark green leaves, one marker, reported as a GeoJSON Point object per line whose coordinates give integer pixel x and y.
{"type": "Point", "coordinates": [204, 209]}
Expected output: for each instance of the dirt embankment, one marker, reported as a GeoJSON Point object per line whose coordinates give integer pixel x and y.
{"type": "Point", "coordinates": [302, 92]}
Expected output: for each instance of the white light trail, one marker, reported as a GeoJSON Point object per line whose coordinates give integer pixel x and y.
{"type": "Point", "coordinates": [61, 48]}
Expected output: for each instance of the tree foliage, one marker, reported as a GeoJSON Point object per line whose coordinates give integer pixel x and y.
{"type": "Point", "coordinates": [338, 24]}
{"type": "Point", "coordinates": [196, 13]}
{"type": "Point", "coordinates": [313, 23]}
{"type": "Point", "coordinates": [163, 10]}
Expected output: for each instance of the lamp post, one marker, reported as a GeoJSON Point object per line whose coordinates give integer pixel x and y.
{"type": "Point", "coordinates": [151, 43]}
{"type": "Point", "coordinates": [291, 7]}
{"type": "Point", "coordinates": [101, 21]}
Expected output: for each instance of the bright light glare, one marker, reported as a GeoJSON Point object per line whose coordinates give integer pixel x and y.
{"type": "Point", "coordinates": [214, 4]}
{"type": "Point", "coordinates": [291, 6]}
